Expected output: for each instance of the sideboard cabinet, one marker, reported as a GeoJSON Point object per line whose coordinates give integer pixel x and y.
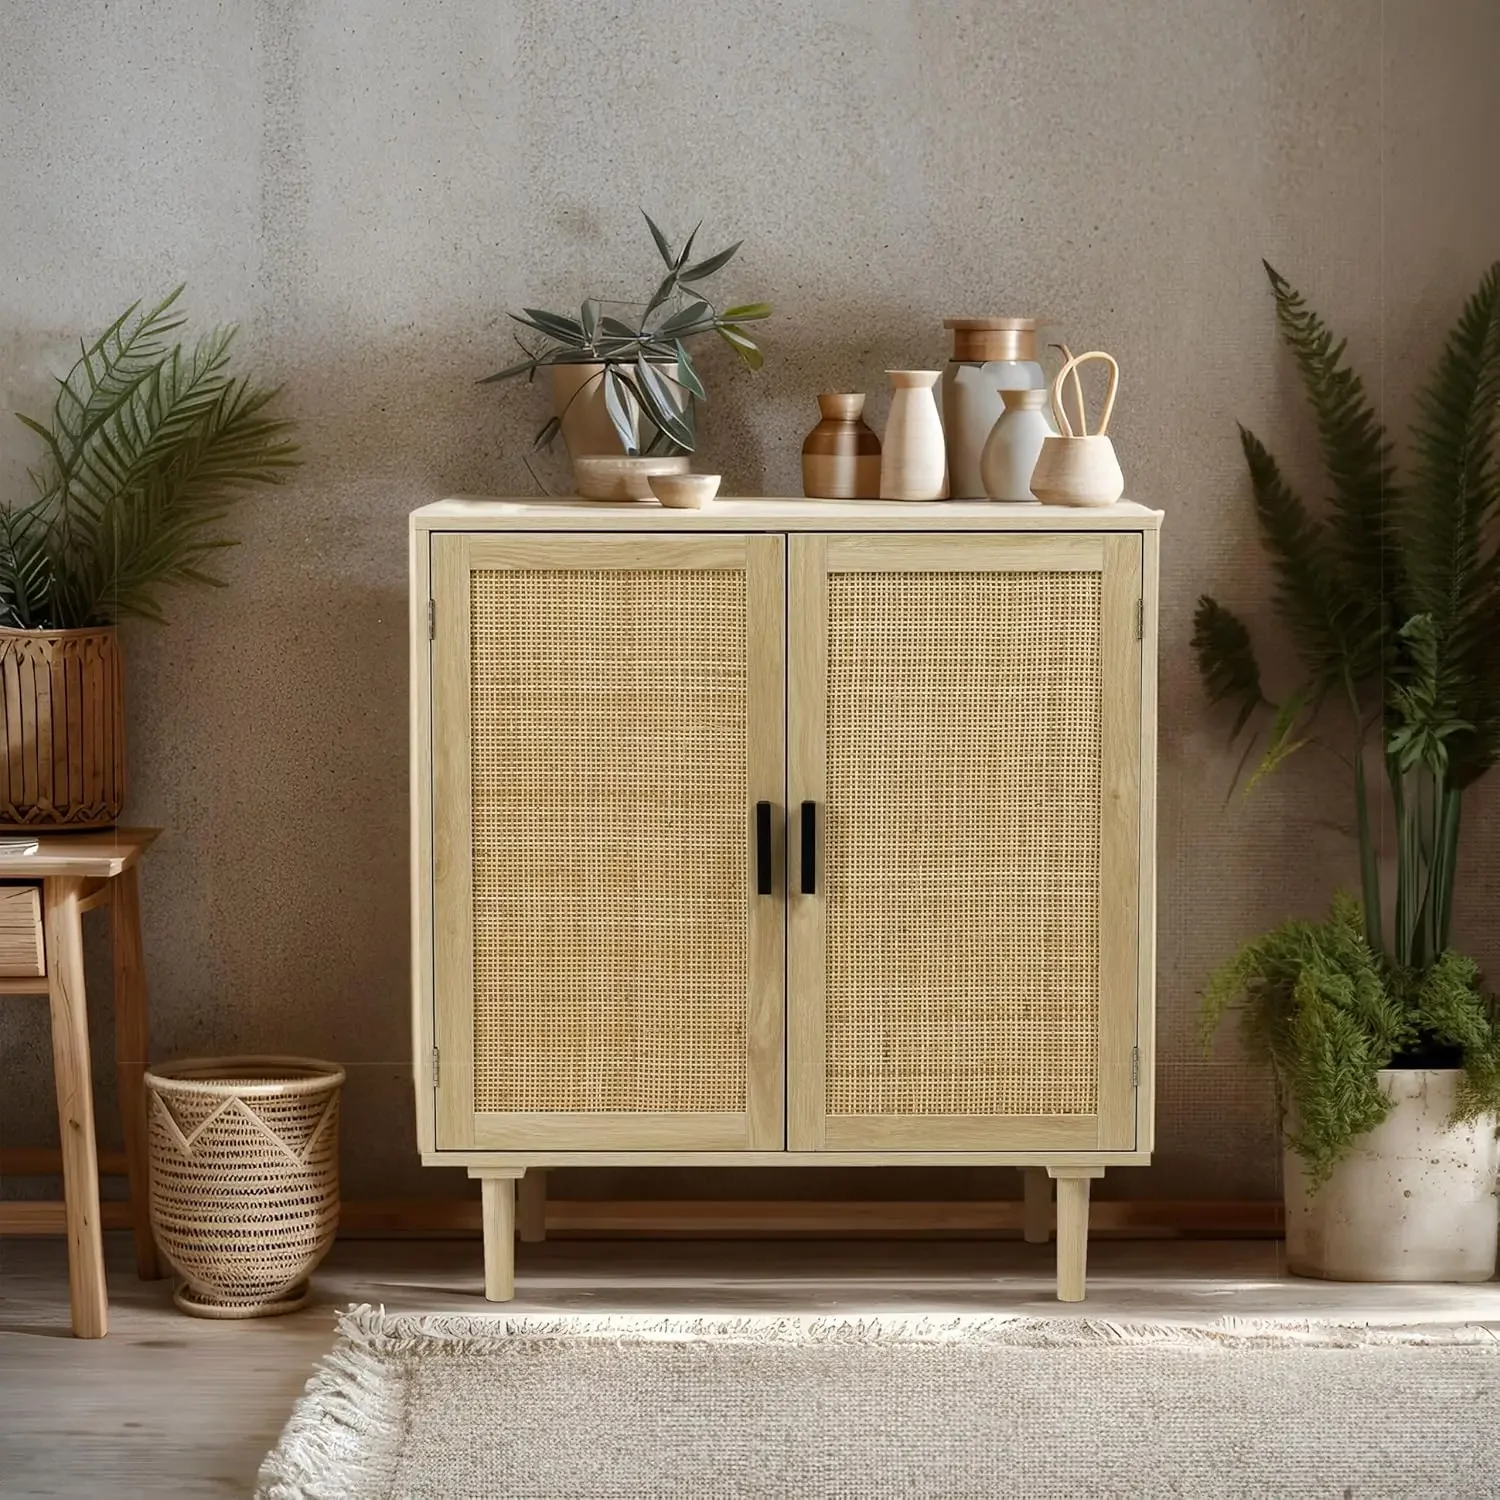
{"type": "Point", "coordinates": [785, 832]}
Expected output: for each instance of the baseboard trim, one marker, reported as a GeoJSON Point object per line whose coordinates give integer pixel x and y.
{"type": "Point", "coordinates": [577, 1218]}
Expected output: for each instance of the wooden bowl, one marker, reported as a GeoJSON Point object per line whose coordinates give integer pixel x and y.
{"type": "Point", "coordinates": [615, 476]}
{"type": "Point", "coordinates": [685, 491]}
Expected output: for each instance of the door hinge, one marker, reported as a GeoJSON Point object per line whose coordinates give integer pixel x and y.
{"type": "Point", "coordinates": [1135, 1067]}
{"type": "Point", "coordinates": [432, 619]}
{"type": "Point", "coordinates": [1140, 619]}
{"type": "Point", "coordinates": [437, 1067]}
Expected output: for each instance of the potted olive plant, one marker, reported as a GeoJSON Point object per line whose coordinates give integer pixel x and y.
{"type": "Point", "coordinates": [623, 379]}
{"type": "Point", "coordinates": [1384, 1043]}
{"type": "Point", "coordinates": [148, 445]}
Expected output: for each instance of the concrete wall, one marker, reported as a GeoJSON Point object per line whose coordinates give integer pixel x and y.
{"type": "Point", "coordinates": [367, 185]}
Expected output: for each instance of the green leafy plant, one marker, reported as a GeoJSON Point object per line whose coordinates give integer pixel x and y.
{"type": "Point", "coordinates": [1327, 1012]}
{"type": "Point", "coordinates": [148, 446]}
{"type": "Point", "coordinates": [1390, 593]}
{"type": "Point", "coordinates": [649, 380]}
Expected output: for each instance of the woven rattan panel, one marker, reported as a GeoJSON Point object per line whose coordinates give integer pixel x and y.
{"type": "Point", "coordinates": [610, 837]}
{"type": "Point", "coordinates": [963, 843]}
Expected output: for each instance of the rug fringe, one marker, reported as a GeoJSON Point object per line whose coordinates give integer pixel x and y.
{"type": "Point", "coordinates": [345, 1432]}
{"type": "Point", "coordinates": [371, 1328]}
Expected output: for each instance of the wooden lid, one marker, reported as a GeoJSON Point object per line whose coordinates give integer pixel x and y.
{"type": "Point", "coordinates": [993, 338]}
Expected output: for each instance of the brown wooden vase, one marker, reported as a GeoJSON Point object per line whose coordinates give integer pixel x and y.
{"type": "Point", "coordinates": [62, 760]}
{"type": "Point", "coordinates": [841, 457]}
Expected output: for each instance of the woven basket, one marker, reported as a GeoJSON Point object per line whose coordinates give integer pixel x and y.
{"type": "Point", "coordinates": [62, 760]}
{"type": "Point", "coordinates": [244, 1179]}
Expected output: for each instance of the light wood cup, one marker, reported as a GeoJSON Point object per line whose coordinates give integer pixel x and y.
{"type": "Point", "coordinates": [685, 491]}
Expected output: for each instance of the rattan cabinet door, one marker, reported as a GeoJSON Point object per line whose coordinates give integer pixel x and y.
{"type": "Point", "coordinates": [607, 712]}
{"type": "Point", "coordinates": [965, 726]}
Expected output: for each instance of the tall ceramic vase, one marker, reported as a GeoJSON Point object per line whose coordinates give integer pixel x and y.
{"type": "Point", "coordinates": [913, 459]}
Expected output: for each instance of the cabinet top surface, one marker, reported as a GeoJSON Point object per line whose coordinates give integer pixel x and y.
{"type": "Point", "coordinates": [531, 513]}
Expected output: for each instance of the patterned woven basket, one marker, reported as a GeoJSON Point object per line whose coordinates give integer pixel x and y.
{"type": "Point", "coordinates": [62, 729]}
{"type": "Point", "coordinates": [244, 1179]}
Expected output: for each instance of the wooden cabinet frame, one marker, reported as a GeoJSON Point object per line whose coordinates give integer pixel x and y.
{"type": "Point", "coordinates": [787, 548]}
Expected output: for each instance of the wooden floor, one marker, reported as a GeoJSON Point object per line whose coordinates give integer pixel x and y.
{"type": "Point", "coordinates": [175, 1406]}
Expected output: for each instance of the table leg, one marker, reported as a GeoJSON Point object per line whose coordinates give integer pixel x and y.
{"type": "Point", "coordinates": [75, 1105]}
{"type": "Point", "coordinates": [132, 1055]}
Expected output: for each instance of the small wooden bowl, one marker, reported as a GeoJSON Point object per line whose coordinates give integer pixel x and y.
{"type": "Point", "coordinates": [685, 491]}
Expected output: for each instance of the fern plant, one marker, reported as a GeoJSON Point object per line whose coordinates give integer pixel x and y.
{"type": "Point", "coordinates": [1390, 592]}
{"type": "Point", "coordinates": [148, 445]}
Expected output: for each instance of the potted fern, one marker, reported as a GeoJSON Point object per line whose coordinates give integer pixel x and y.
{"type": "Point", "coordinates": [147, 446]}
{"type": "Point", "coordinates": [1384, 1043]}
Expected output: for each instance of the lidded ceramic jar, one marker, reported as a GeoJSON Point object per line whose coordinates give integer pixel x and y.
{"type": "Point", "coordinates": [989, 355]}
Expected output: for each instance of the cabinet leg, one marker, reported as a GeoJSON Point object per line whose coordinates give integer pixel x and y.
{"type": "Point", "coordinates": [1036, 1206]}
{"type": "Point", "coordinates": [532, 1208]}
{"type": "Point", "coordinates": [499, 1214]}
{"type": "Point", "coordinates": [1072, 1228]}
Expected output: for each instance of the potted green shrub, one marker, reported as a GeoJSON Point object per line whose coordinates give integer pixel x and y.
{"type": "Point", "coordinates": [148, 445]}
{"type": "Point", "coordinates": [1383, 1041]}
{"type": "Point", "coordinates": [623, 380]}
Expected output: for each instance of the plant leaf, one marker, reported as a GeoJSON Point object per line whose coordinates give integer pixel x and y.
{"type": "Point", "coordinates": [686, 320]}
{"type": "Point", "coordinates": [1362, 506]}
{"type": "Point", "coordinates": [662, 294]}
{"type": "Point", "coordinates": [1307, 585]}
{"type": "Point", "coordinates": [687, 248]}
{"type": "Point", "coordinates": [686, 375]}
{"type": "Point", "coordinates": [622, 401]}
{"type": "Point", "coordinates": [549, 430]}
{"type": "Point", "coordinates": [522, 367]}
{"type": "Point", "coordinates": [661, 240]}
{"type": "Point", "coordinates": [555, 325]}
{"type": "Point", "coordinates": [1281, 745]}
{"type": "Point", "coordinates": [748, 313]}
{"type": "Point", "coordinates": [588, 318]}
{"type": "Point", "coordinates": [714, 263]}
{"type": "Point", "coordinates": [742, 344]}
{"type": "Point", "coordinates": [660, 406]}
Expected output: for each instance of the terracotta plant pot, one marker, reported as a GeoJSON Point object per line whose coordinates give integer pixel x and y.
{"type": "Point", "coordinates": [62, 763]}
{"type": "Point", "coordinates": [1413, 1201]}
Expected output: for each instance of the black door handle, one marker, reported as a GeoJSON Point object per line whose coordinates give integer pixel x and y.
{"type": "Point", "coordinates": [762, 848]}
{"type": "Point", "coordinates": [809, 848]}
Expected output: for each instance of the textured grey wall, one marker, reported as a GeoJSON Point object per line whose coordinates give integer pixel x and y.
{"type": "Point", "coordinates": [366, 185]}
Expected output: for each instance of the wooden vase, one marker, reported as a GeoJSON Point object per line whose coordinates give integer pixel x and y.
{"type": "Point", "coordinates": [63, 760]}
{"type": "Point", "coordinates": [914, 461]}
{"type": "Point", "coordinates": [841, 456]}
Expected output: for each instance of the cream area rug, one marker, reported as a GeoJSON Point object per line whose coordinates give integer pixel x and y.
{"type": "Point", "coordinates": [445, 1407]}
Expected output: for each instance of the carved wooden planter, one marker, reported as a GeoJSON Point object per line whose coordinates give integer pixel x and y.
{"type": "Point", "coordinates": [62, 755]}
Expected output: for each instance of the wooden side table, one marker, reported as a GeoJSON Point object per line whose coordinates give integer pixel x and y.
{"type": "Point", "coordinates": [76, 872]}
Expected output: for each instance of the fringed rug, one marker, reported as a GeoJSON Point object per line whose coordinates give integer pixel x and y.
{"type": "Point", "coordinates": [443, 1407]}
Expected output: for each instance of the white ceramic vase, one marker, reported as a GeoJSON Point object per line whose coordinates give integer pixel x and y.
{"type": "Point", "coordinates": [1014, 445]}
{"type": "Point", "coordinates": [1413, 1201]}
{"type": "Point", "coordinates": [913, 458]}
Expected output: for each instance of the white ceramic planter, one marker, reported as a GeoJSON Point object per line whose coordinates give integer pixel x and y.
{"type": "Point", "coordinates": [1415, 1200]}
